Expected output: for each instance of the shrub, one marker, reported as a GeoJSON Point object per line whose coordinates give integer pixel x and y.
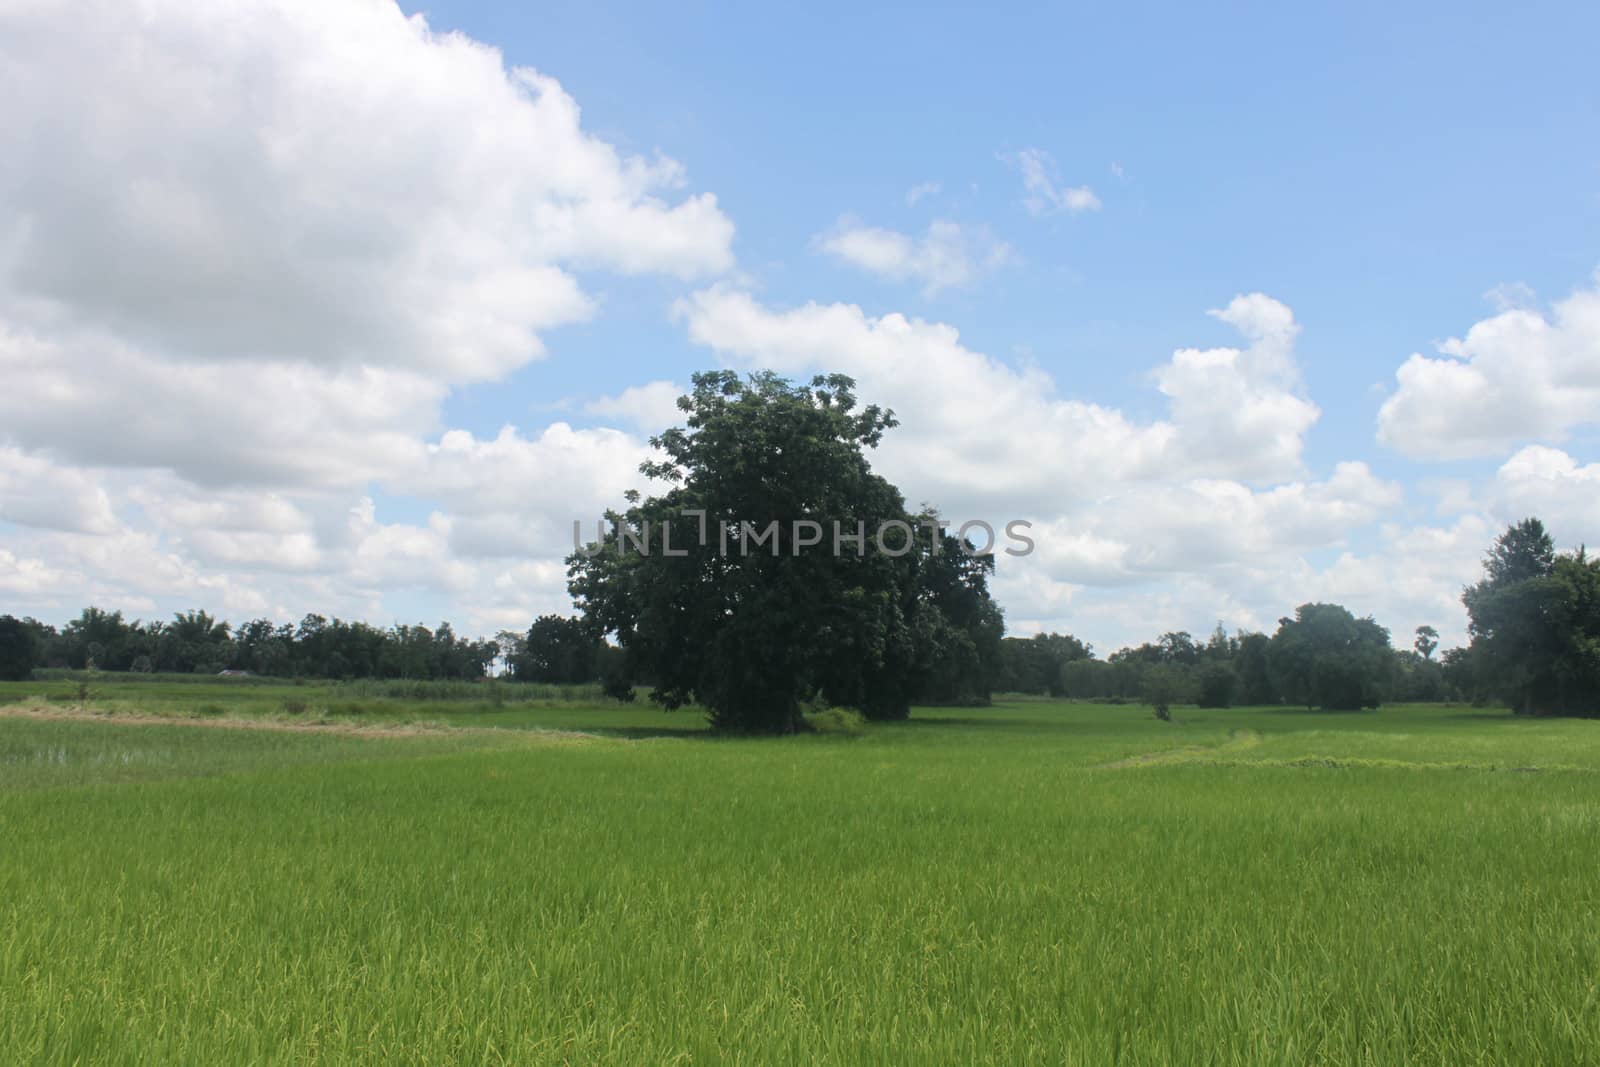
{"type": "Point", "coordinates": [836, 721]}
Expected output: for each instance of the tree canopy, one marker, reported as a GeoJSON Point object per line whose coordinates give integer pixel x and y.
{"type": "Point", "coordinates": [1535, 626]}
{"type": "Point", "coordinates": [1325, 657]}
{"type": "Point", "coordinates": [779, 565]}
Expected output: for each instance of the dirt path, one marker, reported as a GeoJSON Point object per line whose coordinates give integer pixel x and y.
{"type": "Point", "coordinates": [71, 713]}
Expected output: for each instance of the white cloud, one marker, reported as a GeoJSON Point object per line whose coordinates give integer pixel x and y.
{"type": "Point", "coordinates": [650, 407]}
{"type": "Point", "coordinates": [95, 400]}
{"type": "Point", "coordinates": [35, 492]}
{"type": "Point", "coordinates": [332, 183]}
{"type": "Point", "coordinates": [1552, 485]}
{"type": "Point", "coordinates": [1149, 532]}
{"type": "Point", "coordinates": [1519, 376]}
{"type": "Point", "coordinates": [566, 471]}
{"type": "Point", "coordinates": [921, 191]}
{"type": "Point", "coordinates": [979, 435]}
{"type": "Point", "coordinates": [400, 555]}
{"type": "Point", "coordinates": [947, 255]}
{"type": "Point", "coordinates": [1411, 576]}
{"type": "Point", "coordinates": [32, 581]}
{"type": "Point", "coordinates": [1044, 192]}
{"type": "Point", "coordinates": [246, 252]}
{"type": "Point", "coordinates": [258, 242]}
{"type": "Point", "coordinates": [1238, 412]}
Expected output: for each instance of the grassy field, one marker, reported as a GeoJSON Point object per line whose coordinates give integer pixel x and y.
{"type": "Point", "coordinates": [562, 882]}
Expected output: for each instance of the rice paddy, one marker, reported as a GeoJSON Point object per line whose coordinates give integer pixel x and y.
{"type": "Point", "coordinates": [551, 881]}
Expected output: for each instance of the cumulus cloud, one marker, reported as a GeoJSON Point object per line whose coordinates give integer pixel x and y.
{"type": "Point", "coordinates": [95, 400]}
{"type": "Point", "coordinates": [650, 407]}
{"type": "Point", "coordinates": [1551, 484]}
{"type": "Point", "coordinates": [979, 434]}
{"type": "Point", "coordinates": [1155, 531]}
{"type": "Point", "coordinates": [1519, 376]}
{"type": "Point", "coordinates": [1406, 577]}
{"type": "Point", "coordinates": [35, 492]}
{"type": "Point", "coordinates": [1044, 192]}
{"type": "Point", "coordinates": [947, 255]}
{"type": "Point", "coordinates": [246, 252]}
{"type": "Point", "coordinates": [1238, 411]}
{"type": "Point", "coordinates": [332, 183]}
{"type": "Point", "coordinates": [288, 228]}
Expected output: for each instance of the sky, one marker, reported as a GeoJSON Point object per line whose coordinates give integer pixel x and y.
{"type": "Point", "coordinates": [345, 307]}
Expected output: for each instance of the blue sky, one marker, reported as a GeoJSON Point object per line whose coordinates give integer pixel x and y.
{"type": "Point", "coordinates": [1387, 178]}
{"type": "Point", "coordinates": [1379, 170]}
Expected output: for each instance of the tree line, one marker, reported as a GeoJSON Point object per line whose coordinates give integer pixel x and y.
{"type": "Point", "coordinates": [756, 630]}
{"type": "Point", "coordinates": [1324, 657]}
{"type": "Point", "coordinates": [196, 642]}
{"type": "Point", "coordinates": [1534, 646]}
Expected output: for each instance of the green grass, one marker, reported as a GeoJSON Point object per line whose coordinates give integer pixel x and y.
{"type": "Point", "coordinates": [1032, 882]}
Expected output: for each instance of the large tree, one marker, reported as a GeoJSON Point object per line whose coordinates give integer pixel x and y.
{"type": "Point", "coordinates": [744, 587]}
{"type": "Point", "coordinates": [1327, 658]}
{"type": "Point", "coordinates": [1535, 625]}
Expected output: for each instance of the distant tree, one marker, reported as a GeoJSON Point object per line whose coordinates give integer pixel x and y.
{"type": "Point", "coordinates": [1327, 658]}
{"type": "Point", "coordinates": [16, 650]}
{"type": "Point", "coordinates": [99, 639]}
{"type": "Point", "coordinates": [1035, 664]}
{"type": "Point", "coordinates": [617, 676]}
{"type": "Point", "coordinates": [1087, 679]}
{"type": "Point", "coordinates": [1535, 626]}
{"type": "Point", "coordinates": [1524, 551]}
{"type": "Point", "coordinates": [559, 650]}
{"type": "Point", "coordinates": [1220, 648]}
{"type": "Point", "coordinates": [261, 647]}
{"type": "Point", "coordinates": [1462, 675]}
{"type": "Point", "coordinates": [1253, 669]}
{"type": "Point", "coordinates": [512, 647]}
{"type": "Point", "coordinates": [1427, 640]}
{"type": "Point", "coordinates": [1179, 647]}
{"type": "Point", "coordinates": [193, 641]}
{"type": "Point", "coordinates": [1216, 684]}
{"type": "Point", "coordinates": [1417, 679]}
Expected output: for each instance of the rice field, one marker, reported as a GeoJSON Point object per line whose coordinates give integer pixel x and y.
{"type": "Point", "coordinates": [571, 882]}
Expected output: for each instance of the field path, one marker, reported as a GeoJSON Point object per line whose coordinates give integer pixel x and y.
{"type": "Point", "coordinates": [1238, 741]}
{"type": "Point", "coordinates": [71, 713]}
